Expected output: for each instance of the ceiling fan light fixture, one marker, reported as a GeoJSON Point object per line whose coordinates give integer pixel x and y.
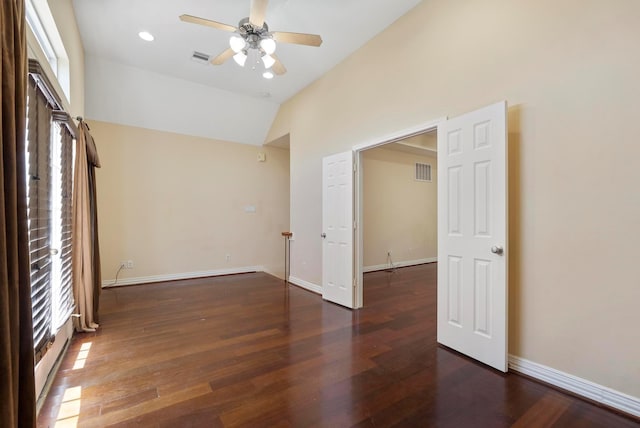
{"type": "Point", "coordinates": [268, 61]}
{"type": "Point", "coordinates": [240, 58]}
{"type": "Point", "coordinates": [237, 43]}
{"type": "Point", "coordinates": [268, 45]}
{"type": "Point", "coordinates": [251, 40]}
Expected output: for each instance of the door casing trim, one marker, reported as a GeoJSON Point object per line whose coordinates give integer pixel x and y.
{"type": "Point", "coordinates": [431, 125]}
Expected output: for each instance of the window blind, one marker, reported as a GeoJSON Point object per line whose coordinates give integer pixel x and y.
{"type": "Point", "coordinates": [39, 213]}
{"type": "Point", "coordinates": [49, 157]}
{"type": "Point", "coordinates": [63, 188]}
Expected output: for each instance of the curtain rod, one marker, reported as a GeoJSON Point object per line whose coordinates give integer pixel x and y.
{"type": "Point", "coordinates": [81, 120]}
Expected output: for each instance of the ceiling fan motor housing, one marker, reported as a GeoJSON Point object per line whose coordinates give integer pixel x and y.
{"type": "Point", "coordinates": [247, 29]}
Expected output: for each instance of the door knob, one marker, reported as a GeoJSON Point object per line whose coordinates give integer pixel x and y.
{"type": "Point", "coordinates": [496, 249]}
{"type": "Point", "coordinates": [323, 235]}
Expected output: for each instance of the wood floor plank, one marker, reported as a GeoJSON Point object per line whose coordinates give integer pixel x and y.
{"type": "Point", "coordinates": [129, 400]}
{"type": "Point", "coordinates": [248, 351]}
{"type": "Point", "coordinates": [545, 412]}
{"type": "Point", "coordinates": [121, 415]}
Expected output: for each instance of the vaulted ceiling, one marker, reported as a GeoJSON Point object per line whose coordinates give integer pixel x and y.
{"type": "Point", "coordinates": [109, 31]}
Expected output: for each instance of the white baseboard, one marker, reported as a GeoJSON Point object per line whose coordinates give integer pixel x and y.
{"type": "Point", "coordinates": [272, 273]}
{"type": "Point", "coordinates": [183, 275]}
{"type": "Point", "coordinates": [306, 285]}
{"type": "Point", "coordinates": [579, 386]}
{"type": "Point", "coordinates": [399, 264]}
{"type": "Point", "coordinates": [47, 366]}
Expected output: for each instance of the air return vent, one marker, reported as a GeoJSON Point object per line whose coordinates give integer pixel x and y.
{"type": "Point", "coordinates": [200, 57]}
{"type": "Point", "coordinates": [423, 172]}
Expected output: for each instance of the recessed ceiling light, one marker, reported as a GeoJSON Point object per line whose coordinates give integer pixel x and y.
{"type": "Point", "coordinates": [145, 35]}
{"type": "Point", "coordinates": [268, 74]}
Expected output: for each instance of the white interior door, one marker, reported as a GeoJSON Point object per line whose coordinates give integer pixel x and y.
{"type": "Point", "coordinates": [337, 229]}
{"type": "Point", "coordinates": [472, 235]}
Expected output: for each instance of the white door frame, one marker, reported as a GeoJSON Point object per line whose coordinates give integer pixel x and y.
{"type": "Point", "coordinates": [358, 184]}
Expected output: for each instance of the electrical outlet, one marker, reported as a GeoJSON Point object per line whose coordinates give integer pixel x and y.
{"type": "Point", "coordinates": [389, 253]}
{"type": "Point", "coordinates": [129, 264]}
{"type": "Point", "coordinates": [228, 257]}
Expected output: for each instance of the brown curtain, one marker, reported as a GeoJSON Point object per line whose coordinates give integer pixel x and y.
{"type": "Point", "coordinates": [86, 254]}
{"type": "Point", "coordinates": [17, 386]}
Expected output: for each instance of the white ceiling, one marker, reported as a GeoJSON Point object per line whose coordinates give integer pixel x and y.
{"type": "Point", "coordinates": [109, 30]}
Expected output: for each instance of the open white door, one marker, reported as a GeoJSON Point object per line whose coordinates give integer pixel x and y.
{"type": "Point", "coordinates": [337, 229]}
{"type": "Point", "coordinates": [472, 235]}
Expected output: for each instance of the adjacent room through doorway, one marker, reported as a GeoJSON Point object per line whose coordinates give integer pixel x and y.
{"type": "Point", "coordinates": [399, 205]}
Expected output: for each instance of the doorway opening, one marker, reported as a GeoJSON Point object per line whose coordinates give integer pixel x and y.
{"type": "Point", "coordinates": [420, 141]}
{"type": "Point", "coordinates": [281, 268]}
{"type": "Point", "coordinates": [399, 206]}
{"type": "Point", "coordinates": [472, 286]}
{"type": "Point", "coordinates": [471, 228]}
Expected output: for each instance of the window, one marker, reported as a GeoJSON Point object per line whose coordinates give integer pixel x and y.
{"type": "Point", "coordinates": [49, 178]}
{"type": "Point", "coordinates": [38, 30]}
{"type": "Point", "coordinates": [43, 27]}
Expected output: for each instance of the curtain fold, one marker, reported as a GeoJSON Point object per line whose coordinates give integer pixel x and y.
{"type": "Point", "coordinates": [86, 253]}
{"type": "Point", "coordinates": [17, 385]}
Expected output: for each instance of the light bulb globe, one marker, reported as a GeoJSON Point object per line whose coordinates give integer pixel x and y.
{"type": "Point", "coordinates": [240, 58]}
{"type": "Point", "coordinates": [268, 61]}
{"type": "Point", "coordinates": [268, 45]}
{"type": "Point", "coordinates": [237, 43]}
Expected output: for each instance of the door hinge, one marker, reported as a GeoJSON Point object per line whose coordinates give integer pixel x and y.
{"type": "Point", "coordinates": [354, 282]}
{"type": "Point", "coordinates": [355, 225]}
{"type": "Point", "coordinates": [355, 167]}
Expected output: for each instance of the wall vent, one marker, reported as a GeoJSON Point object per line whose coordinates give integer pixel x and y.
{"type": "Point", "coordinates": [423, 172]}
{"type": "Point", "coordinates": [200, 57]}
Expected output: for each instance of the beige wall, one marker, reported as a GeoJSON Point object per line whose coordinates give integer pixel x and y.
{"type": "Point", "coordinates": [175, 204]}
{"type": "Point", "coordinates": [570, 72]}
{"type": "Point", "coordinates": [399, 213]}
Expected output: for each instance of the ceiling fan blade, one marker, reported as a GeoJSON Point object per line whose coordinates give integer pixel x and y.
{"type": "Point", "coordinates": [224, 56]}
{"type": "Point", "coordinates": [297, 38]}
{"type": "Point", "coordinates": [258, 10]}
{"type": "Point", "coordinates": [277, 67]}
{"type": "Point", "coordinates": [209, 23]}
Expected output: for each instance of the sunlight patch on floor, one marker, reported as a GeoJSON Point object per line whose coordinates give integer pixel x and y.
{"type": "Point", "coordinates": [82, 356]}
{"type": "Point", "coordinates": [69, 410]}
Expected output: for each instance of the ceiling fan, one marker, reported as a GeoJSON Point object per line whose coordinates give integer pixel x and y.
{"type": "Point", "coordinates": [252, 38]}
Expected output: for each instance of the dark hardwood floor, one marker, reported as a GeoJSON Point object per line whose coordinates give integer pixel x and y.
{"type": "Point", "coordinates": [247, 351]}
